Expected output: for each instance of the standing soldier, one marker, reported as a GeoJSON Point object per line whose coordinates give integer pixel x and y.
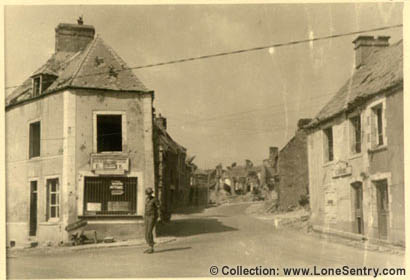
{"type": "Point", "coordinates": [151, 216]}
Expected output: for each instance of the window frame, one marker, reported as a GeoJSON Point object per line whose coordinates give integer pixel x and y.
{"type": "Point", "coordinates": [123, 130]}
{"type": "Point", "coordinates": [30, 156]}
{"type": "Point", "coordinates": [353, 134]}
{"type": "Point", "coordinates": [327, 156]}
{"type": "Point", "coordinates": [378, 133]}
{"type": "Point", "coordinates": [48, 205]}
{"type": "Point", "coordinates": [39, 91]}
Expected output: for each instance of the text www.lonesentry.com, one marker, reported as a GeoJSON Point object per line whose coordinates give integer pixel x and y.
{"type": "Point", "coordinates": [239, 270]}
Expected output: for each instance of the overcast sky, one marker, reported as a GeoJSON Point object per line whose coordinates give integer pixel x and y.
{"type": "Point", "coordinates": [224, 109]}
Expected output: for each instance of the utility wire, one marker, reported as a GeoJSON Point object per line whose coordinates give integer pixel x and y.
{"type": "Point", "coordinates": [241, 51]}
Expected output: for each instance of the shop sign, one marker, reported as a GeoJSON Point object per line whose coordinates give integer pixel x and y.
{"type": "Point", "coordinates": [109, 164]}
{"type": "Point", "coordinates": [341, 169]}
{"type": "Point", "coordinates": [93, 206]}
{"type": "Point", "coordinates": [117, 187]}
{"type": "Point", "coordinates": [118, 206]}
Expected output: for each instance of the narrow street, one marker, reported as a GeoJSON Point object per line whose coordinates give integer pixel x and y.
{"type": "Point", "coordinates": [218, 236]}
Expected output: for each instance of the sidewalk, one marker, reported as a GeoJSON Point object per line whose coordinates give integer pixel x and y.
{"type": "Point", "coordinates": [14, 252]}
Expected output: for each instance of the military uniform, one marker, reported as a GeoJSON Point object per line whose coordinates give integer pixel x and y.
{"type": "Point", "coordinates": [151, 216]}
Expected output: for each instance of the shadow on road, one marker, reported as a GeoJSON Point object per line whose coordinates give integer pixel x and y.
{"type": "Point", "coordinates": [172, 249]}
{"type": "Point", "coordinates": [190, 210]}
{"type": "Point", "coordinates": [188, 227]}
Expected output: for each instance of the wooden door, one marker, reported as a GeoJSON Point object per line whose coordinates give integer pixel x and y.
{"type": "Point", "coordinates": [382, 208]}
{"type": "Point", "coordinates": [358, 207]}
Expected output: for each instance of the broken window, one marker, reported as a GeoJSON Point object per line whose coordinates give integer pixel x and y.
{"type": "Point", "coordinates": [109, 133]}
{"type": "Point", "coordinates": [34, 140]}
{"type": "Point", "coordinates": [53, 199]}
{"type": "Point", "coordinates": [328, 135]}
{"type": "Point", "coordinates": [356, 137]}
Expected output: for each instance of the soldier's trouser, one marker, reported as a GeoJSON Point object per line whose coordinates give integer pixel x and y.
{"type": "Point", "coordinates": [149, 227]}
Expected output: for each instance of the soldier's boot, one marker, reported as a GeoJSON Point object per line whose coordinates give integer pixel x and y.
{"type": "Point", "coordinates": [150, 250]}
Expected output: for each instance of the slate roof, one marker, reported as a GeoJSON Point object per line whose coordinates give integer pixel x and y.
{"type": "Point", "coordinates": [167, 140]}
{"type": "Point", "coordinates": [383, 71]}
{"type": "Point", "coordinates": [96, 67]}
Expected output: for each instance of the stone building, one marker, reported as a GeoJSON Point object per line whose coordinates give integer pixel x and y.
{"type": "Point", "coordinates": [292, 175]}
{"type": "Point", "coordinates": [355, 149]}
{"type": "Point", "coordinates": [173, 174]}
{"type": "Point", "coordinates": [79, 143]}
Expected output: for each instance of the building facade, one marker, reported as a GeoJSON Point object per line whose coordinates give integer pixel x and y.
{"type": "Point", "coordinates": [84, 145]}
{"type": "Point", "coordinates": [355, 149]}
{"type": "Point", "coordinates": [172, 173]}
{"type": "Point", "coordinates": [292, 175]}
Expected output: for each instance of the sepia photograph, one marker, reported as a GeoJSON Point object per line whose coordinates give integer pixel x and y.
{"type": "Point", "coordinates": [154, 140]}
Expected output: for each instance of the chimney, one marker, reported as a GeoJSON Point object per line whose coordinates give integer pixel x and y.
{"type": "Point", "coordinates": [273, 153]}
{"type": "Point", "coordinates": [303, 122]}
{"type": "Point", "coordinates": [161, 121]}
{"type": "Point", "coordinates": [365, 45]}
{"type": "Point", "coordinates": [73, 37]}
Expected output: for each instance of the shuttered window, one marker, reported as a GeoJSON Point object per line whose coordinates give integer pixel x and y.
{"type": "Point", "coordinates": [110, 195]}
{"type": "Point", "coordinates": [356, 134]}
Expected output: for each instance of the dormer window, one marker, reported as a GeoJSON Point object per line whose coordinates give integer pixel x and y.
{"type": "Point", "coordinates": [36, 86]}
{"type": "Point", "coordinates": [41, 82]}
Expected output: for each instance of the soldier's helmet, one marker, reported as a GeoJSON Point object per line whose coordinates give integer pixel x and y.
{"type": "Point", "coordinates": [148, 191]}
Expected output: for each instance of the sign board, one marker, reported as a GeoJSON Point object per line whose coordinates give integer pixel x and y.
{"type": "Point", "coordinates": [93, 206]}
{"type": "Point", "coordinates": [117, 192]}
{"type": "Point", "coordinates": [109, 164]}
{"type": "Point", "coordinates": [118, 205]}
{"type": "Point", "coordinates": [116, 185]}
{"type": "Point", "coordinates": [341, 169]}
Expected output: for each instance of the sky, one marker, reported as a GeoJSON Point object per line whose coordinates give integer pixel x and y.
{"type": "Point", "coordinates": [223, 109]}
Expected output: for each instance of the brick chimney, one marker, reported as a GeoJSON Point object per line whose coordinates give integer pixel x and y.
{"type": "Point", "coordinates": [365, 45]}
{"type": "Point", "coordinates": [73, 37]}
{"type": "Point", "coordinates": [161, 121]}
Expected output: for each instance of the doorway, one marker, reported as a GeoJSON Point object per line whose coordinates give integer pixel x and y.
{"type": "Point", "coordinates": [33, 208]}
{"type": "Point", "coordinates": [357, 189]}
{"type": "Point", "coordinates": [382, 207]}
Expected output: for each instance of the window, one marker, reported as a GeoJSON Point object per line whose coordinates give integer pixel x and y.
{"type": "Point", "coordinates": [110, 195]}
{"type": "Point", "coordinates": [328, 135]}
{"type": "Point", "coordinates": [109, 133]}
{"type": "Point", "coordinates": [53, 199]}
{"type": "Point", "coordinates": [36, 86]}
{"type": "Point", "coordinates": [34, 140]}
{"type": "Point", "coordinates": [356, 136]}
{"type": "Point", "coordinates": [377, 128]}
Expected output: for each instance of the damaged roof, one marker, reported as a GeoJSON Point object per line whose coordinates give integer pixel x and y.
{"type": "Point", "coordinates": [383, 71]}
{"type": "Point", "coordinates": [96, 67]}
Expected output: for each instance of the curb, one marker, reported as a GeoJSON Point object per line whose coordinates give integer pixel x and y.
{"type": "Point", "coordinates": [11, 253]}
{"type": "Point", "coordinates": [119, 244]}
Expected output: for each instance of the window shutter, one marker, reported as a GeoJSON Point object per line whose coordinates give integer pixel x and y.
{"type": "Point", "coordinates": [47, 200]}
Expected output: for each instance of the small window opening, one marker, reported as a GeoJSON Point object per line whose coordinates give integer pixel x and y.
{"type": "Point", "coordinates": [36, 86]}
{"type": "Point", "coordinates": [109, 133]}
{"type": "Point", "coordinates": [34, 145]}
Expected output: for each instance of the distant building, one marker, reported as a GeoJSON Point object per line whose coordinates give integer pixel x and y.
{"type": "Point", "coordinates": [78, 143]}
{"type": "Point", "coordinates": [355, 148]}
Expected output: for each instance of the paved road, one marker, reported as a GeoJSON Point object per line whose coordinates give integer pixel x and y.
{"type": "Point", "coordinates": [218, 236]}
